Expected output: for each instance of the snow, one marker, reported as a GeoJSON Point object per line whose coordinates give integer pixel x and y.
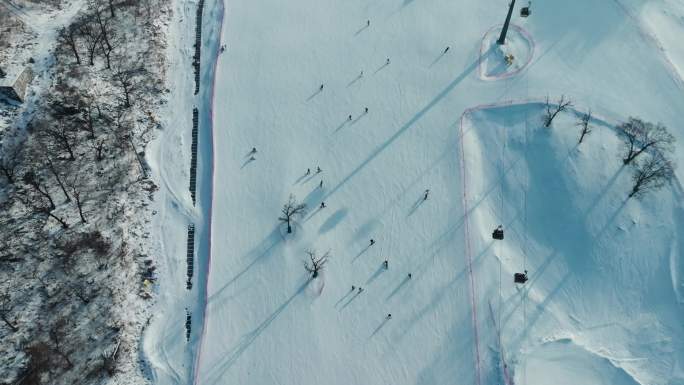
{"type": "Point", "coordinates": [605, 272]}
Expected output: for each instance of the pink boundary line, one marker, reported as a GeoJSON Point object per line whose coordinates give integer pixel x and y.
{"type": "Point", "coordinates": [466, 230]}
{"type": "Point", "coordinates": [198, 354]}
{"type": "Point", "coordinates": [506, 75]}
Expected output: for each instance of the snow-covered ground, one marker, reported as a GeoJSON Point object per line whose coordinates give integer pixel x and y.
{"type": "Point", "coordinates": [604, 300]}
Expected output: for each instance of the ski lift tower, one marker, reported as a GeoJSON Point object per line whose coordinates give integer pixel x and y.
{"type": "Point", "coordinates": [502, 37]}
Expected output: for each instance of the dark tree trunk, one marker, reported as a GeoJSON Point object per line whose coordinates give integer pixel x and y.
{"type": "Point", "coordinates": [504, 31]}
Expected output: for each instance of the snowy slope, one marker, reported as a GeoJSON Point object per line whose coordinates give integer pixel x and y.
{"type": "Point", "coordinates": [604, 273]}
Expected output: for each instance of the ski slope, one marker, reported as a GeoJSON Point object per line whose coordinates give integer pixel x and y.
{"type": "Point", "coordinates": [604, 301]}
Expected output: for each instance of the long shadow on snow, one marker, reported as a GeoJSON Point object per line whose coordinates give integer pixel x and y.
{"type": "Point", "coordinates": [262, 250]}
{"type": "Point", "coordinates": [246, 340]}
{"type": "Point", "coordinates": [407, 125]}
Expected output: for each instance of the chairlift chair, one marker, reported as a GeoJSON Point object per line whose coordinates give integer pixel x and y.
{"type": "Point", "coordinates": [525, 11]}
{"type": "Point", "coordinates": [498, 233]}
{"type": "Point", "coordinates": [520, 277]}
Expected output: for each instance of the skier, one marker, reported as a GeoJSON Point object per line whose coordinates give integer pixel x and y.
{"type": "Point", "coordinates": [350, 118]}
{"type": "Point", "coordinates": [322, 205]}
{"type": "Point", "coordinates": [366, 110]}
{"type": "Point", "coordinates": [361, 74]}
{"type": "Point", "coordinates": [321, 89]}
{"type": "Point", "coordinates": [254, 151]}
{"type": "Point", "coordinates": [387, 62]}
{"type": "Point", "coordinates": [367, 23]}
{"type": "Point", "coordinates": [320, 185]}
{"type": "Point", "coordinates": [389, 316]}
{"type": "Point", "coordinates": [318, 170]}
{"type": "Point", "coordinates": [223, 48]}
{"type": "Point", "coordinates": [308, 171]}
{"type": "Point", "coordinates": [425, 197]}
{"type": "Point", "coordinates": [409, 276]}
{"type": "Point", "coordinates": [360, 290]}
{"type": "Point", "coordinates": [372, 242]}
{"type": "Point", "coordinates": [446, 49]}
{"type": "Point", "coordinates": [353, 288]}
{"type": "Point", "coordinates": [386, 264]}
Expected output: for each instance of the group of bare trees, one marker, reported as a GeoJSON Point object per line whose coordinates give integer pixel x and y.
{"type": "Point", "coordinates": [647, 146]}
{"type": "Point", "coordinates": [291, 211]}
{"type": "Point", "coordinates": [65, 178]}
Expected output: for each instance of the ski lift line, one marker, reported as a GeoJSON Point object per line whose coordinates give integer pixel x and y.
{"type": "Point", "coordinates": [468, 254]}
{"type": "Point", "coordinates": [497, 328]}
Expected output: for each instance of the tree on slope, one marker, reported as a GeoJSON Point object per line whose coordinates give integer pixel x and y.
{"type": "Point", "coordinates": [553, 110]}
{"type": "Point", "coordinates": [583, 124]}
{"type": "Point", "coordinates": [640, 136]}
{"type": "Point", "coordinates": [651, 174]}
{"type": "Point", "coordinates": [315, 263]}
{"type": "Point", "coordinates": [292, 210]}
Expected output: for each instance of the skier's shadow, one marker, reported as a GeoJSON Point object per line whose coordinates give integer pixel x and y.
{"type": "Point", "coordinates": [375, 275]}
{"type": "Point", "coordinates": [353, 297]}
{"type": "Point", "coordinates": [396, 290]}
{"type": "Point", "coordinates": [415, 206]}
{"type": "Point", "coordinates": [365, 26]}
{"type": "Point", "coordinates": [381, 68]}
{"type": "Point", "coordinates": [247, 162]}
{"type": "Point", "coordinates": [359, 118]}
{"type": "Point", "coordinates": [343, 297]}
{"type": "Point", "coordinates": [356, 79]}
{"type": "Point", "coordinates": [438, 58]}
{"type": "Point", "coordinates": [382, 324]}
{"type": "Point", "coordinates": [314, 94]}
{"type": "Point", "coordinates": [360, 253]}
{"type": "Point", "coordinates": [344, 123]}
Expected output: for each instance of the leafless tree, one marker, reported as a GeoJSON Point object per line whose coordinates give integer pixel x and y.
{"type": "Point", "coordinates": [9, 161]}
{"type": "Point", "coordinates": [583, 123]}
{"type": "Point", "coordinates": [315, 263]}
{"type": "Point", "coordinates": [53, 169]}
{"type": "Point", "coordinates": [57, 334]}
{"type": "Point", "coordinates": [111, 8]}
{"type": "Point", "coordinates": [5, 310]}
{"type": "Point", "coordinates": [554, 109]}
{"type": "Point", "coordinates": [31, 179]}
{"type": "Point", "coordinates": [641, 136]}
{"type": "Point", "coordinates": [86, 103]}
{"type": "Point", "coordinates": [107, 36]}
{"type": "Point", "coordinates": [651, 174]}
{"type": "Point", "coordinates": [93, 35]}
{"type": "Point", "coordinates": [77, 190]}
{"type": "Point", "coordinates": [292, 210]}
{"type": "Point", "coordinates": [125, 76]}
{"type": "Point", "coordinates": [60, 133]}
{"type": "Point", "coordinates": [67, 36]}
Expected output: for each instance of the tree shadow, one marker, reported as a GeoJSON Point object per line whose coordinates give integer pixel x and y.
{"type": "Point", "coordinates": [261, 251]}
{"type": "Point", "coordinates": [246, 340]}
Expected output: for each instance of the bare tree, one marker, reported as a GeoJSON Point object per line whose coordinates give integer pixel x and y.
{"type": "Point", "coordinates": [583, 123]}
{"type": "Point", "coordinates": [641, 136]}
{"type": "Point", "coordinates": [107, 36]}
{"type": "Point", "coordinates": [55, 173]}
{"type": "Point", "coordinates": [77, 189]}
{"type": "Point", "coordinates": [57, 334]}
{"type": "Point", "coordinates": [292, 210]}
{"type": "Point", "coordinates": [30, 178]}
{"type": "Point", "coordinates": [93, 35]}
{"type": "Point", "coordinates": [554, 109]}
{"type": "Point", "coordinates": [315, 263]}
{"type": "Point", "coordinates": [67, 36]}
{"type": "Point", "coordinates": [125, 74]}
{"type": "Point", "coordinates": [651, 174]}
{"type": "Point", "coordinates": [41, 202]}
{"type": "Point", "coordinates": [5, 310]}
{"type": "Point", "coordinates": [111, 8]}
{"type": "Point", "coordinates": [87, 102]}
{"type": "Point", "coordinates": [61, 134]}
{"type": "Point", "coordinates": [9, 161]}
